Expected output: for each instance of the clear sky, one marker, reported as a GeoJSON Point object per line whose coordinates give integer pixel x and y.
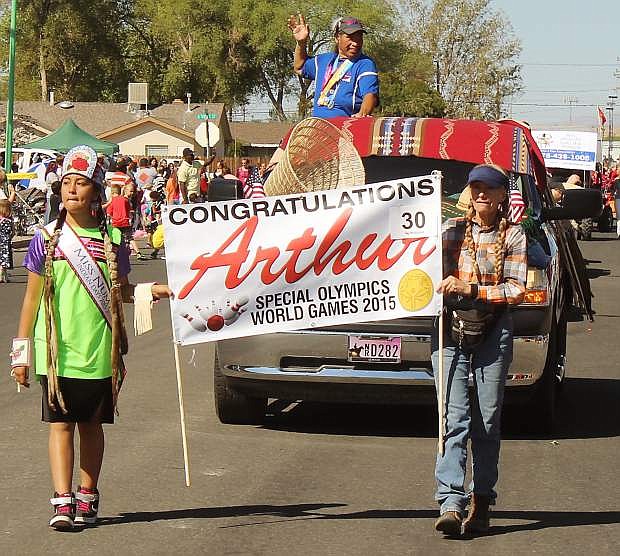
{"type": "Point", "coordinates": [571, 52]}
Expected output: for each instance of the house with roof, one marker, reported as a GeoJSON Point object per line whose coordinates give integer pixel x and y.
{"type": "Point", "coordinates": [258, 140]}
{"type": "Point", "coordinates": [163, 131]}
{"type": "Point", "coordinates": [168, 129]}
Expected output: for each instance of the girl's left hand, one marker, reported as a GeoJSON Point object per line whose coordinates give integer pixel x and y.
{"type": "Point", "coordinates": [161, 291]}
{"type": "Point", "coordinates": [454, 286]}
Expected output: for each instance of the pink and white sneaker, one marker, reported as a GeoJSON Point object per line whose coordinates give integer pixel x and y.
{"type": "Point", "coordinates": [87, 506]}
{"type": "Point", "coordinates": [64, 511]}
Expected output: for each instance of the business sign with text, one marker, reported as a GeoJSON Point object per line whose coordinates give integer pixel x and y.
{"type": "Point", "coordinates": [572, 150]}
{"type": "Point", "coordinates": [256, 266]}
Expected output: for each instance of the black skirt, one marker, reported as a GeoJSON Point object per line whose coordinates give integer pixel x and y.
{"type": "Point", "coordinates": [86, 401]}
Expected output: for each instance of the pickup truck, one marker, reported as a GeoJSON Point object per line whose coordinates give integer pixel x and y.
{"type": "Point", "coordinates": [316, 364]}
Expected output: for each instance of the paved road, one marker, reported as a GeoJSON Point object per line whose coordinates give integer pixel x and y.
{"type": "Point", "coordinates": [317, 479]}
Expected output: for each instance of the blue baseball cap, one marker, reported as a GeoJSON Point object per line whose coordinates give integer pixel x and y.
{"type": "Point", "coordinates": [489, 175]}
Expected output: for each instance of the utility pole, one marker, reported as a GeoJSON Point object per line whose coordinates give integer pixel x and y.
{"type": "Point", "coordinates": [610, 106]}
{"type": "Point", "coordinates": [10, 101]}
{"type": "Point", "coordinates": [570, 101]}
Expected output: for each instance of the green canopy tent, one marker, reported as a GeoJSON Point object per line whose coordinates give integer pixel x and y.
{"type": "Point", "coordinates": [69, 135]}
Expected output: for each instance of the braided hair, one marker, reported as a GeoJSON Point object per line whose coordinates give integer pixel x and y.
{"type": "Point", "coordinates": [54, 395]}
{"type": "Point", "coordinates": [119, 333]}
{"type": "Point", "coordinates": [500, 244]}
{"type": "Point", "coordinates": [120, 344]}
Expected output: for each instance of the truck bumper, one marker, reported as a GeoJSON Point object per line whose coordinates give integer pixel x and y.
{"type": "Point", "coordinates": [276, 358]}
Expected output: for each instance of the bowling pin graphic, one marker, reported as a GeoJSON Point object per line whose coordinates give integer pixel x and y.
{"type": "Point", "coordinates": [213, 321]}
{"type": "Point", "coordinates": [231, 314]}
{"type": "Point", "coordinates": [195, 323]}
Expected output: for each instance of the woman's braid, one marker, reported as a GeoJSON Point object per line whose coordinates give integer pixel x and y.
{"type": "Point", "coordinates": [119, 333]}
{"type": "Point", "coordinates": [53, 389]}
{"type": "Point", "coordinates": [469, 239]}
{"type": "Point", "coordinates": [500, 244]}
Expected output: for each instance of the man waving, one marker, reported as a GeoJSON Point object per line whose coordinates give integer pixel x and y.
{"type": "Point", "coordinates": [347, 83]}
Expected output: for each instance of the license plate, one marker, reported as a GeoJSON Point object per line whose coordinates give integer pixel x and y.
{"type": "Point", "coordinates": [373, 349]}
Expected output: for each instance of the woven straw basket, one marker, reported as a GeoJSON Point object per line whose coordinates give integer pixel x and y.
{"type": "Point", "coordinates": [318, 156]}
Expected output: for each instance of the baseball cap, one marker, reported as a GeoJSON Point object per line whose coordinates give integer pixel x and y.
{"type": "Point", "coordinates": [349, 25]}
{"type": "Point", "coordinates": [489, 175]}
{"type": "Point", "coordinates": [187, 151]}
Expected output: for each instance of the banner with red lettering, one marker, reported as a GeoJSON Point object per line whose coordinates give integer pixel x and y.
{"type": "Point", "coordinates": [257, 266]}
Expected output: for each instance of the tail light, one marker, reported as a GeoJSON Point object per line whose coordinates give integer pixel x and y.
{"type": "Point", "coordinates": [537, 288]}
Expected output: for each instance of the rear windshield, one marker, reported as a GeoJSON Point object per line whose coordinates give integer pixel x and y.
{"type": "Point", "coordinates": [384, 168]}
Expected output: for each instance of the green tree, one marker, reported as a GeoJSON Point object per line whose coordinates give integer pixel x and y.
{"type": "Point", "coordinates": [71, 46]}
{"type": "Point", "coordinates": [405, 76]}
{"type": "Point", "coordinates": [265, 25]}
{"type": "Point", "coordinates": [476, 50]}
{"type": "Point", "coordinates": [189, 46]}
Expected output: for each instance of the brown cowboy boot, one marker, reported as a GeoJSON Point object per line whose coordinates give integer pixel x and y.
{"type": "Point", "coordinates": [449, 523]}
{"type": "Point", "coordinates": [478, 519]}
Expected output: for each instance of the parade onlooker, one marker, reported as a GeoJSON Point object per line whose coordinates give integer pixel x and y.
{"type": "Point", "coordinates": [188, 177]}
{"type": "Point", "coordinates": [119, 210]}
{"type": "Point", "coordinates": [173, 196]}
{"type": "Point", "coordinates": [347, 82]}
{"type": "Point", "coordinates": [130, 191]}
{"type": "Point", "coordinates": [145, 174]}
{"type": "Point", "coordinates": [163, 164]}
{"type": "Point", "coordinates": [119, 176]}
{"type": "Point", "coordinates": [159, 182]}
{"type": "Point", "coordinates": [7, 231]}
{"type": "Point", "coordinates": [51, 177]}
{"type": "Point", "coordinates": [616, 192]}
{"type": "Point", "coordinates": [55, 203]}
{"type": "Point", "coordinates": [152, 217]}
{"type": "Point", "coordinates": [79, 335]}
{"type": "Point", "coordinates": [485, 272]}
{"type": "Point", "coordinates": [7, 190]}
{"type": "Point", "coordinates": [243, 172]}
{"type": "Point", "coordinates": [219, 168]}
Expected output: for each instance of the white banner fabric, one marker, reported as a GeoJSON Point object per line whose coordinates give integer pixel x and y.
{"type": "Point", "coordinates": [246, 267]}
{"type": "Point", "coordinates": [572, 150]}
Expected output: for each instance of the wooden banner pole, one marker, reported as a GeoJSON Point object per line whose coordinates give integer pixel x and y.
{"type": "Point", "coordinates": [182, 412]}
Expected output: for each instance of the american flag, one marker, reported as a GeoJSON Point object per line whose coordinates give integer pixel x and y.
{"type": "Point", "coordinates": [516, 206]}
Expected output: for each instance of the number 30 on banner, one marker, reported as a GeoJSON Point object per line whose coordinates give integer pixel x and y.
{"type": "Point", "coordinates": [410, 221]}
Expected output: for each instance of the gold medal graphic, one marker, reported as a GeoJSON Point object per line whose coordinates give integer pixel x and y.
{"type": "Point", "coordinates": [415, 290]}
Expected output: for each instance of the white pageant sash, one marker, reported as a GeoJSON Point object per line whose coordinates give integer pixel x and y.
{"type": "Point", "coordinates": [85, 267]}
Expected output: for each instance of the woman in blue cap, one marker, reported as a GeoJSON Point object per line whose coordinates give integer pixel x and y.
{"type": "Point", "coordinates": [346, 80]}
{"type": "Point", "coordinates": [485, 271]}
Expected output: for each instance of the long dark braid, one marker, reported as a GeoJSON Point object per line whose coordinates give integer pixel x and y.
{"type": "Point", "coordinates": [119, 333]}
{"type": "Point", "coordinates": [500, 244]}
{"type": "Point", "coordinates": [53, 389]}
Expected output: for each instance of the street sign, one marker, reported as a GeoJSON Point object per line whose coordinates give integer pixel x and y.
{"type": "Point", "coordinates": [208, 116]}
{"type": "Point", "coordinates": [207, 138]}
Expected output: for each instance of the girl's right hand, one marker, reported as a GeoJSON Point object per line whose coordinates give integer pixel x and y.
{"type": "Point", "coordinates": [21, 376]}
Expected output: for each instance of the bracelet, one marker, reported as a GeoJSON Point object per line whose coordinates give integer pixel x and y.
{"type": "Point", "coordinates": [20, 352]}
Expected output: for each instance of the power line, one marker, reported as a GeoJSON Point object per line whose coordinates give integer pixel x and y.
{"type": "Point", "coordinates": [570, 65]}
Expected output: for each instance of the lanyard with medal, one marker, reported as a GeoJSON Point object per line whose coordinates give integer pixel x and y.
{"type": "Point", "coordinates": [332, 80]}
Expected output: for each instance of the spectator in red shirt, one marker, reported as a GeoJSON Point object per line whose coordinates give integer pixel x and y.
{"type": "Point", "coordinates": [119, 211]}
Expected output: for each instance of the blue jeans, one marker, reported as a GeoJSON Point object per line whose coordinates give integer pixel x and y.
{"type": "Point", "coordinates": [474, 415]}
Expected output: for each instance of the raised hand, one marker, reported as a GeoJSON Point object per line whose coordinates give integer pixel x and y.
{"type": "Point", "coordinates": [299, 28]}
